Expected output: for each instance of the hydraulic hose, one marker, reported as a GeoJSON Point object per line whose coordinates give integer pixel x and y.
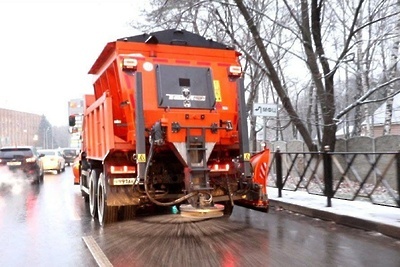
{"type": "Point", "coordinates": [171, 203]}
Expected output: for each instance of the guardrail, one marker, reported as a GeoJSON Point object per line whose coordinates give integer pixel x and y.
{"type": "Point", "coordinates": [365, 176]}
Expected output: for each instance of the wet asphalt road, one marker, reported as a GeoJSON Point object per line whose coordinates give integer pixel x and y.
{"type": "Point", "coordinates": [49, 225]}
{"type": "Point", "coordinates": [43, 225]}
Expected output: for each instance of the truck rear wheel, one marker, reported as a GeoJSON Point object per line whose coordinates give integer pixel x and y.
{"type": "Point", "coordinates": [82, 186]}
{"type": "Point", "coordinates": [92, 193]}
{"type": "Point", "coordinates": [106, 214]}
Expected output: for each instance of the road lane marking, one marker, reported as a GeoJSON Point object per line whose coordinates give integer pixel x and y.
{"type": "Point", "coordinates": [96, 251]}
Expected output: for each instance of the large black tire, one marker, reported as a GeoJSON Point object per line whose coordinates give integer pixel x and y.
{"type": "Point", "coordinates": [83, 185]}
{"type": "Point", "coordinates": [106, 214]}
{"type": "Point", "coordinates": [41, 178]}
{"type": "Point", "coordinates": [93, 193]}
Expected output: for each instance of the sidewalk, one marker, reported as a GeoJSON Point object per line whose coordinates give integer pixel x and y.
{"type": "Point", "coordinates": [357, 214]}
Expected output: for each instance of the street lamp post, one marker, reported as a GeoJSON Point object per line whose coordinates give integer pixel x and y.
{"type": "Point", "coordinates": [45, 138]}
{"type": "Point", "coordinates": [35, 139]}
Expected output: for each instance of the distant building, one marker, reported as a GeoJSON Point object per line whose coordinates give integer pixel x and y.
{"type": "Point", "coordinates": [378, 119]}
{"type": "Point", "coordinates": [18, 128]}
{"type": "Point", "coordinates": [75, 106]}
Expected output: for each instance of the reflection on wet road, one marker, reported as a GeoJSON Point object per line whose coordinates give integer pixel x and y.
{"type": "Point", "coordinates": [49, 225]}
{"type": "Point", "coordinates": [39, 225]}
{"type": "Point", "coordinates": [248, 238]}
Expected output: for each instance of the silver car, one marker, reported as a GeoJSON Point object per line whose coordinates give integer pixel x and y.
{"type": "Point", "coordinates": [53, 160]}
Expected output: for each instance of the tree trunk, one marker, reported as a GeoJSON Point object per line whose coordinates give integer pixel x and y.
{"type": "Point", "coordinates": [392, 74]}
{"type": "Point", "coordinates": [286, 103]}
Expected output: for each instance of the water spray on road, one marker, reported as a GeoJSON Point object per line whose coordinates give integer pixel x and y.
{"type": "Point", "coordinates": [12, 182]}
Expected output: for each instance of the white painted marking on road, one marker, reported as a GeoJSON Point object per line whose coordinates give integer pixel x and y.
{"type": "Point", "coordinates": [96, 251]}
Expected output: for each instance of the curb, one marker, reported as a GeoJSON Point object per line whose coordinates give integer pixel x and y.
{"type": "Point", "coordinates": [350, 221]}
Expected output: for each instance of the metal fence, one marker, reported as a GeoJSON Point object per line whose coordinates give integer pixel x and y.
{"type": "Point", "coordinates": [364, 176]}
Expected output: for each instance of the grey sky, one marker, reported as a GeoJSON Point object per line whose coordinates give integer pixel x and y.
{"type": "Point", "coordinates": [48, 47]}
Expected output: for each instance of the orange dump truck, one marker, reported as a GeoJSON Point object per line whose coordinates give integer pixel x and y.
{"type": "Point", "coordinates": [166, 126]}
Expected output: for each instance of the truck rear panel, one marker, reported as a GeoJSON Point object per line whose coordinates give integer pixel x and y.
{"type": "Point", "coordinates": [167, 125]}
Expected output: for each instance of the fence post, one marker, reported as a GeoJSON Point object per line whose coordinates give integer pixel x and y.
{"type": "Point", "coordinates": [398, 178]}
{"type": "Point", "coordinates": [328, 175]}
{"type": "Point", "coordinates": [278, 162]}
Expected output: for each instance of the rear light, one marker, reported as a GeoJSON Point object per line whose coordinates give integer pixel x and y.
{"type": "Point", "coordinates": [31, 159]}
{"type": "Point", "coordinates": [129, 64]}
{"type": "Point", "coordinates": [220, 167]}
{"type": "Point", "coordinates": [122, 169]}
{"type": "Point", "coordinates": [235, 71]}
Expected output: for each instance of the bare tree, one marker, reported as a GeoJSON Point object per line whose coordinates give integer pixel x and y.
{"type": "Point", "coordinates": [392, 74]}
{"type": "Point", "coordinates": [221, 21]}
{"type": "Point", "coordinates": [280, 39]}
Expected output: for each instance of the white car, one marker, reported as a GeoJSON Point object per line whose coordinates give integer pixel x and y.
{"type": "Point", "coordinates": [53, 160]}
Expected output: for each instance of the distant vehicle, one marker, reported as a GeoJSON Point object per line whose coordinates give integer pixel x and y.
{"type": "Point", "coordinates": [53, 160]}
{"type": "Point", "coordinates": [24, 158]}
{"type": "Point", "coordinates": [69, 155]}
{"type": "Point", "coordinates": [75, 169]}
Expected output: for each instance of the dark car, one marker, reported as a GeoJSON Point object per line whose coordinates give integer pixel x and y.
{"type": "Point", "coordinates": [25, 159]}
{"type": "Point", "coordinates": [69, 155]}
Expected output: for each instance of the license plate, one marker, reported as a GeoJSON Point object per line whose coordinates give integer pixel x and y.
{"type": "Point", "coordinates": [14, 163]}
{"type": "Point", "coordinates": [123, 181]}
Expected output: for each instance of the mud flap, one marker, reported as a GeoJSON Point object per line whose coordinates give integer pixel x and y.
{"type": "Point", "coordinates": [255, 199]}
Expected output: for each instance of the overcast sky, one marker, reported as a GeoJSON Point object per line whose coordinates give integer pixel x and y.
{"type": "Point", "coordinates": [48, 46]}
